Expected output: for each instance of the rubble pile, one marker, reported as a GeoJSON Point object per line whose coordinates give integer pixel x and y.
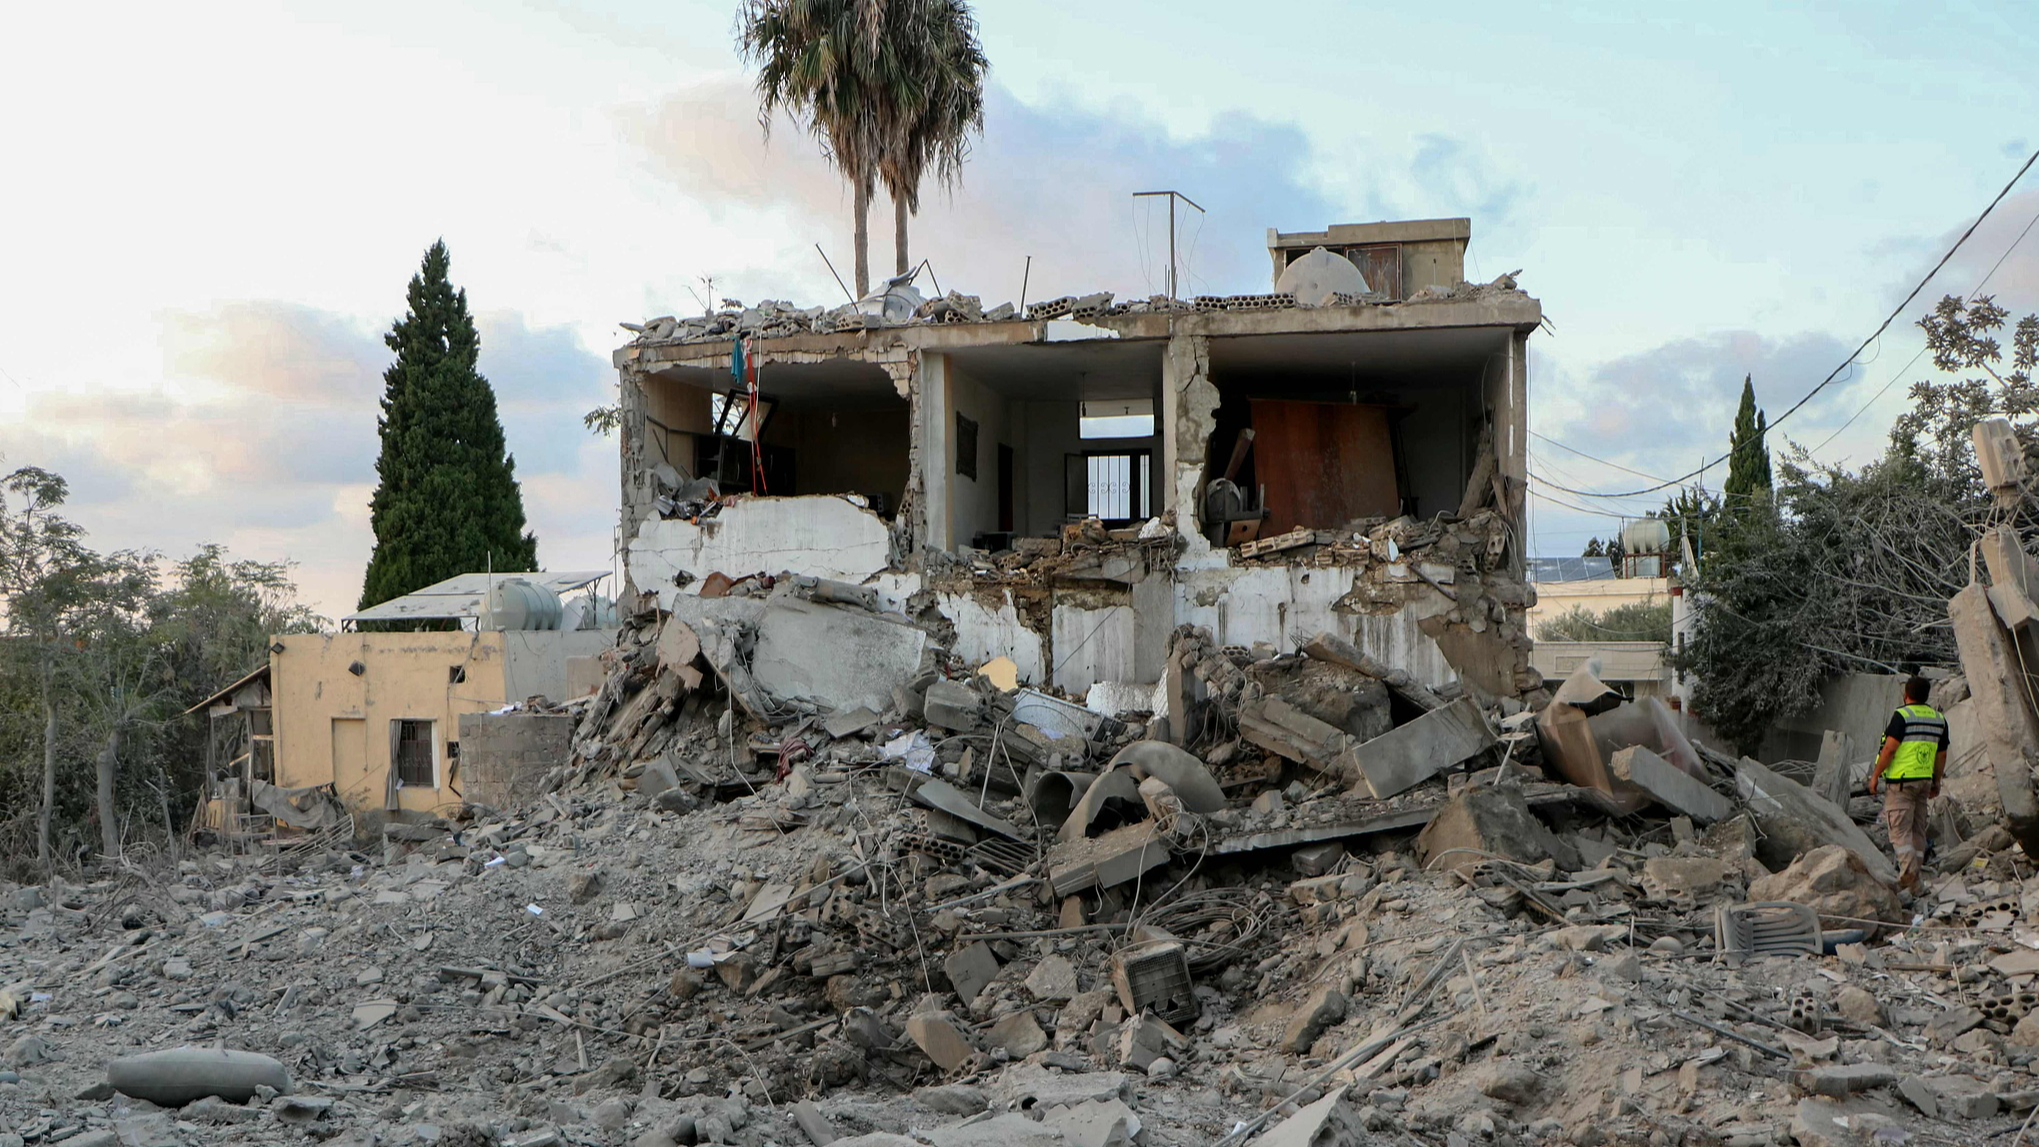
{"type": "Point", "coordinates": [810, 879]}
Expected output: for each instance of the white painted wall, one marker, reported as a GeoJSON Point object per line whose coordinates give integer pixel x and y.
{"type": "Point", "coordinates": [534, 661]}
{"type": "Point", "coordinates": [1274, 604]}
{"type": "Point", "coordinates": [823, 536]}
{"type": "Point", "coordinates": [983, 633]}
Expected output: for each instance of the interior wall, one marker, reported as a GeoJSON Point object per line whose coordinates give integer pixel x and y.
{"type": "Point", "coordinates": [1437, 433]}
{"type": "Point", "coordinates": [675, 413]}
{"type": "Point", "coordinates": [1053, 431]}
{"type": "Point", "coordinates": [847, 451]}
{"type": "Point", "coordinates": [973, 502]}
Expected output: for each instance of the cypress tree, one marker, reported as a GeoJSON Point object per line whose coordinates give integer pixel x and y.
{"type": "Point", "coordinates": [447, 500]}
{"type": "Point", "coordinates": [1748, 470]}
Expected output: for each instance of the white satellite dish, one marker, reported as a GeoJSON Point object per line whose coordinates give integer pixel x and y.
{"type": "Point", "coordinates": [1315, 277]}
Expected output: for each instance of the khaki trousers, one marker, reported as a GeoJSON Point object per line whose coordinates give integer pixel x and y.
{"type": "Point", "coordinates": [1904, 813]}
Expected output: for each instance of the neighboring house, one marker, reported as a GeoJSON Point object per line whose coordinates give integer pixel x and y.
{"type": "Point", "coordinates": [1635, 668]}
{"type": "Point", "coordinates": [376, 715]}
{"type": "Point", "coordinates": [934, 450]}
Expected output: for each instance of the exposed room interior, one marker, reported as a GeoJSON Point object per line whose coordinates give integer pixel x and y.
{"type": "Point", "coordinates": [834, 427]}
{"type": "Point", "coordinates": [1043, 434]}
{"type": "Point", "coordinates": [1350, 425]}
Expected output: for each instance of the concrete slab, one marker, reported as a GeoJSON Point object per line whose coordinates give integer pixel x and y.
{"type": "Point", "coordinates": [970, 969]}
{"type": "Point", "coordinates": [1398, 761]}
{"type": "Point", "coordinates": [1670, 785]}
{"type": "Point", "coordinates": [1798, 820]}
{"type": "Point", "coordinates": [1997, 690]}
{"type": "Point", "coordinates": [940, 794]}
{"type": "Point", "coordinates": [2014, 577]}
{"type": "Point", "coordinates": [1329, 1122]}
{"type": "Point", "coordinates": [836, 657]}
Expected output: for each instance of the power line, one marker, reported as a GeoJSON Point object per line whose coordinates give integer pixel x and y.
{"type": "Point", "coordinates": [1592, 458]}
{"type": "Point", "coordinates": [1906, 368]}
{"type": "Point", "coordinates": [1845, 363]}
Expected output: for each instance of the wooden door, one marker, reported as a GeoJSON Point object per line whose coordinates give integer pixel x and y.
{"type": "Point", "coordinates": [1323, 463]}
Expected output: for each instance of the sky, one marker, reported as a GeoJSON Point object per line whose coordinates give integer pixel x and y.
{"type": "Point", "coordinates": [213, 210]}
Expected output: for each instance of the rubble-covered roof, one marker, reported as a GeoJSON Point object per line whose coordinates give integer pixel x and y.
{"type": "Point", "coordinates": [901, 304]}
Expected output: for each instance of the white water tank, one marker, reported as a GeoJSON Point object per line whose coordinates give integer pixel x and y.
{"type": "Point", "coordinates": [1646, 536]}
{"type": "Point", "coordinates": [519, 603]}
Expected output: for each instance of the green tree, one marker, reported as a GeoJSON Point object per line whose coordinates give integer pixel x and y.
{"type": "Point", "coordinates": [69, 614]}
{"type": "Point", "coordinates": [1748, 472]}
{"type": "Point", "coordinates": [889, 88]}
{"type": "Point", "coordinates": [1595, 548]}
{"type": "Point", "coordinates": [1691, 513]}
{"type": "Point", "coordinates": [1635, 621]}
{"type": "Point", "coordinates": [448, 501]}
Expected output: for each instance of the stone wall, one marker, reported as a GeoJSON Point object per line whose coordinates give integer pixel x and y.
{"type": "Point", "coordinates": [503, 756]}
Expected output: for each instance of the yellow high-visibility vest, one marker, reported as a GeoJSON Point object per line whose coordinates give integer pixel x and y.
{"type": "Point", "coordinates": [1920, 746]}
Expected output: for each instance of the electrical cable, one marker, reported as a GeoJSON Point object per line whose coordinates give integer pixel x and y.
{"type": "Point", "coordinates": [1846, 363]}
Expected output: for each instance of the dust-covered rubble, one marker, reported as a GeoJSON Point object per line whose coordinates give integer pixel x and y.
{"type": "Point", "coordinates": [967, 914]}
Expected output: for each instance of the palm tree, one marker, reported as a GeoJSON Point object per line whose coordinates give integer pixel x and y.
{"type": "Point", "coordinates": [889, 88]}
{"type": "Point", "coordinates": [942, 65]}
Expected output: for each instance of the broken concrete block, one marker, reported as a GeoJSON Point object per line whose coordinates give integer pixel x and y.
{"type": "Point", "coordinates": [1115, 858]}
{"type": "Point", "coordinates": [835, 657]}
{"type": "Point", "coordinates": [938, 1037]}
{"type": "Point", "coordinates": [1095, 1123]}
{"type": "Point", "coordinates": [2000, 458]}
{"type": "Point", "coordinates": [1325, 1007]}
{"type": "Point", "coordinates": [1670, 785]}
{"type": "Point", "coordinates": [1053, 980]}
{"type": "Point", "coordinates": [1832, 882]}
{"type": "Point", "coordinates": [812, 1123]}
{"type": "Point", "coordinates": [953, 705]}
{"type": "Point", "coordinates": [1144, 1041]}
{"type": "Point", "coordinates": [970, 969]}
{"type": "Point", "coordinates": [174, 1078]}
{"type": "Point", "coordinates": [1155, 978]}
{"type": "Point", "coordinates": [1318, 859]}
{"type": "Point", "coordinates": [1795, 820]}
{"type": "Point", "coordinates": [1018, 1033]}
{"type": "Point", "coordinates": [1010, 1129]}
{"type": "Point", "coordinates": [1509, 1082]}
{"type": "Point", "coordinates": [2014, 578]}
{"type": "Point", "coordinates": [1667, 877]}
{"type": "Point", "coordinates": [1027, 1086]}
{"type": "Point", "coordinates": [1484, 820]}
{"type": "Point", "coordinates": [1999, 688]}
{"type": "Point", "coordinates": [678, 645]}
{"type": "Point", "coordinates": [1833, 777]}
{"type": "Point", "coordinates": [952, 1099]}
{"type": "Point", "coordinates": [1398, 761]}
{"type": "Point", "coordinates": [1329, 1122]}
{"type": "Point", "coordinates": [939, 794]}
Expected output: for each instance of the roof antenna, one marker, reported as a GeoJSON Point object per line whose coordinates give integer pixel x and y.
{"type": "Point", "coordinates": [1025, 275]}
{"type": "Point", "coordinates": [831, 270]}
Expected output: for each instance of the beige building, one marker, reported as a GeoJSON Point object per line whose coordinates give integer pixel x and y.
{"type": "Point", "coordinates": [375, 716]}
{"type": "Point", "coordinates": [349, 706]}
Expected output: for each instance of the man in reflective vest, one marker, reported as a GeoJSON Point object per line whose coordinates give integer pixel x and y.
{"type": "Point", "coordinates": [1909, 767]}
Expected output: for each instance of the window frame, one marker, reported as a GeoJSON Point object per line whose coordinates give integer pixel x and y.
{"type": "Point", "coordinates": [434, 752]}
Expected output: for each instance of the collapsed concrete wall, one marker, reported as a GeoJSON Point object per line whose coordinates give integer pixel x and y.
{"type": "Point", "coordinates": [822, 535]}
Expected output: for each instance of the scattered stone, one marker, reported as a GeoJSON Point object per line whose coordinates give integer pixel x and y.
{"type": "Point", "coordinates": [1053, 980]}
{"type": "Point", "coordinates": [1859, 1005]}
{"type": "Point", "coordinates": [1841, 1080]}
{"type": "Point", "coordinates": [1018, 1033]}
{"type": "Point", "coordinates": [952, 1099]}
{"type": "Point", "coordinates": [1325, 1007]}
{"type": "Point", "coordinates": [940, 1039]}
{"type": "Point", "coordinates": [1509, 1082]}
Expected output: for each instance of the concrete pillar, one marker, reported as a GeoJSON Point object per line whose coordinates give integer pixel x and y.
{"type": "Point", "coordinates": [2001, 691]}
{"type": "Point", "coordinates": [937, 463]}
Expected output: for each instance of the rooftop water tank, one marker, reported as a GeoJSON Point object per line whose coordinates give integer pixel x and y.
{"type": "Point", "coordinates": [1646, 536]}
{"type": "Point", "coordinates": [519, 603]}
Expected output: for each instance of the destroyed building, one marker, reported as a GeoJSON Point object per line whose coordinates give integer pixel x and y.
{"type": "Point", "coordinates": [1344, 453]}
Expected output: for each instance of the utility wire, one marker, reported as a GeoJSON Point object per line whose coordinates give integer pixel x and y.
{"type": "Point", "coordinates": [1906, 368]}
{"type": "Point", "coordinates": [1593, 458]}
{"type": "Point", "coordinates": [1845, 363]}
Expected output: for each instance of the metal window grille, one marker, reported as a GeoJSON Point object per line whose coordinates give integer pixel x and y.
{"type": "Point", "coordinates": [414, 753]}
